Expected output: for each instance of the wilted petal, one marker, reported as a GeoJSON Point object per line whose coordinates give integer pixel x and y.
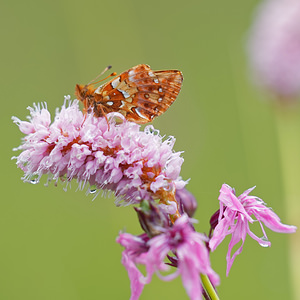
{"type": "Point", "coordinates": [228, 198]}
{"type": "Point", "coordinates": [239, 233]}
{"type": "Point", "coordinates": [134, 253]}
{"type": "Point", "coordinates": [272, 221]}
{"type": "Point", "coordinates": [220, 232]}
{"type": "Point", "coordinates": [134, 275]}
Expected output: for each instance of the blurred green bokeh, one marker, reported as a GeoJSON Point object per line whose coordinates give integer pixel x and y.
{"type": "Point", "coordinates": [61, 245]}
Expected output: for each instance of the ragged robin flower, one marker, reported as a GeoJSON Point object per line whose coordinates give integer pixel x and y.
{"type": "Point", "coordinates": [235, 214]}
{"type": "Point", "coordinates": [181, 244]}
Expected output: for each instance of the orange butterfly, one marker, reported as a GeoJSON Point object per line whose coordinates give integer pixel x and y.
{"type": "Point", "coordinates": [139, 94]}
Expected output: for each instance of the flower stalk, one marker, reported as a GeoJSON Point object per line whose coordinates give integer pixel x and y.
{"type": "Point", "coordinates": [210, 290]}
{"type": "Point", "coordinates": [288, 128]}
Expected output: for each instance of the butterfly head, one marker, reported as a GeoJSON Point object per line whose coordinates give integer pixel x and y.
{"type": "Point", "coordinates": [82, 92]}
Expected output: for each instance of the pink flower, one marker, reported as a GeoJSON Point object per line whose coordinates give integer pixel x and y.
{"type": "Point", "coordinates": [191, 257]}
{"type": "Point", "coordinates": [135, 253]}
{"type": "Point", "coordinates": [274, 47]}
{"type": "Point", "coordinates": [136, 165]}
{"type": "Point", "coordinates": [234, 217]}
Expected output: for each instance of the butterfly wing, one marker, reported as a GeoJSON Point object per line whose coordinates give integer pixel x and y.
{"type": "Point", "coordinates": [139, 93]}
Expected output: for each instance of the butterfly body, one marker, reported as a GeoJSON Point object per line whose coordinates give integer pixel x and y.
{"type": "Point", "coordinates": [139, 94]}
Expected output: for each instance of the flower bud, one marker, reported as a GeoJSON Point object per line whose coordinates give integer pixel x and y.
{"type": "Point", "coordinates": [187, 203]}
{"type": "Point", "coordinates": [151, 218]}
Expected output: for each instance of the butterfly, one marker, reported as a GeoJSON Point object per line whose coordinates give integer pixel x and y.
{"type": "Point", "coordinates": [140, 94]}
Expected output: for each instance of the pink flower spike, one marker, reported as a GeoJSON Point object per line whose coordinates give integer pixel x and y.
{"type": "Point", "coordinates": [235, 213]}
{"type": "Point", "coordinates": [191, 259]}
{"type": "Point", "coordinates": [135, 164]}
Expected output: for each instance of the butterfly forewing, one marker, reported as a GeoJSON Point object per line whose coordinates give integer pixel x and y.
{"type": "Point", "coordinates": [139, 93]}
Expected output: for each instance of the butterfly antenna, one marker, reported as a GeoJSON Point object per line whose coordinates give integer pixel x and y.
{"type": "Point", "coordinates": [110, 75]}
{"type": "Point", "coordinates": [106, 69]}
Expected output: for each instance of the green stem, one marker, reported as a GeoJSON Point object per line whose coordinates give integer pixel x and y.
{"type": "Point", "coordinates": [288, 129]}
{"type": "Point", "coordinates": [209, 287]}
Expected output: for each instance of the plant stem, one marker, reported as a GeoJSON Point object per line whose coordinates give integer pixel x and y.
{"type": "Point", "coordinates": [288, 129]}
{"type": "Point", "coordinates": [209, 287]}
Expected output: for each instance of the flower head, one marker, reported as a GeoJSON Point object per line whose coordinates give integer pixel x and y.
{"type": "Point", "coordinates": [191, 257]}
{"type": "Point", "coordinates": [234, 218]}
{"type": "Point", "coordinates": [274, 47]}
{"type": "Point", "coordinates": [134, 164]}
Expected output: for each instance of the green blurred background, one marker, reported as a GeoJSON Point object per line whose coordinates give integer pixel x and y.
{"type": "Point", "coordinates": [61, 245]}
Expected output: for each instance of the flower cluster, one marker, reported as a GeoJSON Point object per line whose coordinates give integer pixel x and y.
{"type": "Point", "coordinates": [136, 165]}
{"type": "Point", "coordinates": [274, 47]}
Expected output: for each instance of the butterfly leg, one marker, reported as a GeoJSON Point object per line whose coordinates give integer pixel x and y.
{"type": "Point", "coordinates": [105, 116]}
{"type": "Point", "coordinates": [84, 119]}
